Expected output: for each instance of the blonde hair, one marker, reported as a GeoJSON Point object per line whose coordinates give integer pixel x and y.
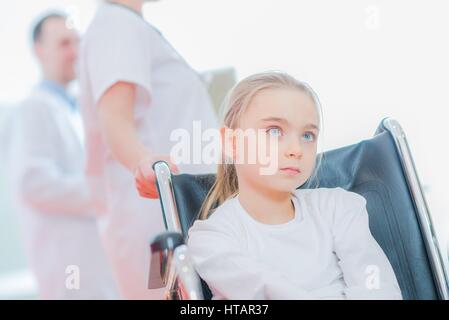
{"type": "Point", "coordinates": [234, 105]}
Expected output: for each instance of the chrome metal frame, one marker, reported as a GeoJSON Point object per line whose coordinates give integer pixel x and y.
{"type": "Point", "coordinates": [171, 288]}
{"type": "Point", "coordinates": [189, 281]}
{"type": "Point", "coordinates": [167, 196]}
{"type": "Point", "coordinates": [182, 280]}
{"type": "Point", "coordinates": [424, 218]}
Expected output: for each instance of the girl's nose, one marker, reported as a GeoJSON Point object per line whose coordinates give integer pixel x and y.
{"type": "Point", "coordinates": [294, 149]}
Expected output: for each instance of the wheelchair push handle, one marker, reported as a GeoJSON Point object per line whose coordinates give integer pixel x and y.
{"type": "Point", "coordinates": [164, 185]}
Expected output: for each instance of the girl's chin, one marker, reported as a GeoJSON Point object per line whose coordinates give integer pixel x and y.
{"type": "Point", "coordinates": [284, 187]}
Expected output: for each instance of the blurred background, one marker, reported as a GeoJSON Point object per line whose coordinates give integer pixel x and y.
{"type": "Point", "coordinates": [366, 59]}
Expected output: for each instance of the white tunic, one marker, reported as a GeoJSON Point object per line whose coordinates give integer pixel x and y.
{"type": "Point", "coordinates": [120, 45]}
{"type": "Point", "coordinates": [325, 252]}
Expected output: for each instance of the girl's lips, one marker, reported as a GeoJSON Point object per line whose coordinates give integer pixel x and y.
{"type": "Point", "coordinates": [292, 171]}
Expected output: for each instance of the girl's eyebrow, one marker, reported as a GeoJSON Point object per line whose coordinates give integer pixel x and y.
{"type": "Point", "coordinates": [282, 120]}
{"type": "Point", "coordinates": [312, 126]}
{"type": "Point", "coordinates": [274, 119]}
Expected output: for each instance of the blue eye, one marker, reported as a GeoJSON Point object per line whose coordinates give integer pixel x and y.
{"type": "Point", "coordinates": [275, 132]}
{"type": "Point", "coordinates": [309, 137]}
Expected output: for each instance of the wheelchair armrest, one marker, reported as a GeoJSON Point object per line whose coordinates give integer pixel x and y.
{"type": "Point", "coordinates": [162, 251]}
{"type": "Point", "coordinates": [172, 267]}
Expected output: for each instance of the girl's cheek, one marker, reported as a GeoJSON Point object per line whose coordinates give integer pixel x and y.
{"type": "Point", "coordinates": [310, 147]}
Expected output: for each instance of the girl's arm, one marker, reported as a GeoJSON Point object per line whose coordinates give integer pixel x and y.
{"type": "Point", "coordinates": [366, 269]}
{"type": "Point", "coordinates": [230, 272]}
{"type": "Point", "coordinates": [116, 115]}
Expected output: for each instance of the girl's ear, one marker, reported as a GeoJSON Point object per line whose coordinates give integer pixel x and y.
{"type": "Point", "coordinates": [228, 144]}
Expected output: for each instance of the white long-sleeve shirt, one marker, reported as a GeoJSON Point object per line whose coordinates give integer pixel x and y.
{"type": "Point", "coordinates": [325, 252]}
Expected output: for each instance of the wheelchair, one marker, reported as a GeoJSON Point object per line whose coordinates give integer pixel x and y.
{"type": "Point", "coordinates": [381, 169]}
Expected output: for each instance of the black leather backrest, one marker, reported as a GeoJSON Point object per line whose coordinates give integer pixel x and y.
{"type": "Point", "coordinates": [190, 192]}
{"type": "Point", "coordinates": [372, 169]}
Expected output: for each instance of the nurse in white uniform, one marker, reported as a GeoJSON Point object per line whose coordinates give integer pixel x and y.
{"type": "Point", "coordinates": [47, 162]}
{"type": "Point", "coordinates": [135, 90]}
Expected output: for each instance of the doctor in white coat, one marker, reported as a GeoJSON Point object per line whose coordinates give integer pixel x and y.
{"type": "Point", "coordinates": [136, 90]}
{"type": "Point", "coordinates": [49, 185]}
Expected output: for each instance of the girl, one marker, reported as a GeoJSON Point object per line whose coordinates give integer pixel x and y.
{"type": "Point", "coordinates": [268, 240]}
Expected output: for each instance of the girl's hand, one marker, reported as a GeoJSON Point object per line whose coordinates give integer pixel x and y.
{"type": "Point", "coordinates": [145, 178]}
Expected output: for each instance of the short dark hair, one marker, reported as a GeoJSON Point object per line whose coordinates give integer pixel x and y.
{"type": "Point", "coordinates": [36, 32]}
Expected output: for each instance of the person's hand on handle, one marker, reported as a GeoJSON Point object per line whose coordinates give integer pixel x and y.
{"type": "Point", "coordinates": [145, 178]}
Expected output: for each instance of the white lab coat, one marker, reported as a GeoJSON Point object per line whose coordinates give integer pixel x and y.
{"type": "Point", "coordinates": [49, 187]}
